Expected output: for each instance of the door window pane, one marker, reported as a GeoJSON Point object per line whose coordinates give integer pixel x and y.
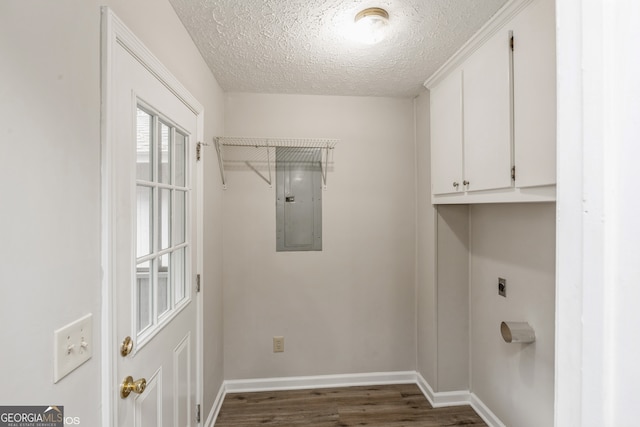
{"type": "Point", "coordinates": [144, 207]}
{"type": "Point", "coordinates": [144, 135]}
{"type": "Point", "coordinates": [164, 145]}
{"type": "Point", "coordinates": [164, 204]}
{"type": "Point", "coordinates": [179, 223]}
{"type": "Point", "coordinates": [179, 159]}
{"type": "Point", "coordinates": [143, 292]}
{"type": "Point", "coordinates": [163, 285]}
{"type": "Point", "coordinates": [179, 274]}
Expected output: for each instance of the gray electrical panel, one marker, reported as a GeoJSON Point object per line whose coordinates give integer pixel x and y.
{"type": "Point", "coordinates": [298, 199]}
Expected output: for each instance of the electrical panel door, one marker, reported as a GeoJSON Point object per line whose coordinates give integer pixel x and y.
{"type": "Point", "coordinates": [298, 199]}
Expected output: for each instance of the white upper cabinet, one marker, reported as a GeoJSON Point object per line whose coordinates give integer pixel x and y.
{"type": "Point", "coordinates": [534, 70]}
{"type": "Point", "coordinates": [487, 115]}
{"type": "Point", "coordinates": [446, 128]}
{"type": "Point", "coordinates": [493, 111]}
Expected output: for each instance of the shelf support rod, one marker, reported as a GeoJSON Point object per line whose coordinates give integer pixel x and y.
{"type": "Point", "coordinates": [260, 174]}
{"type": "Point", "coordinates": [269, 163]}
{"type": "Point", "coordinates": [220, 162]}
{"type": "Point", "coordinates": [323, 170]}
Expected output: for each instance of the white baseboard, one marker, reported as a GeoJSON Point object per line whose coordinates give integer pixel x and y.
{"type": "Point", "coordinates": [485, 413]}
{"type": "Point", "coordinates": [437, 399]}
{"type": "Point", "coordinates": [320, 381]}
{"type": "Point", "coordinates": [458, 398]}
{"type": "Point", "coordinates": [443, 398]}
{"type": "Point", "coordinates": [217, 404]}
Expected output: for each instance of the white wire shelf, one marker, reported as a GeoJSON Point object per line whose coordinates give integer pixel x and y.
{"type": "Point", "coordinates": [257, 154]}
{"type": "Point", "coordinates": [234, 141]}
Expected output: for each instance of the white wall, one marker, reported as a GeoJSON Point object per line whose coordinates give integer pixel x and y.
{"type": "Point", "coordinates": [515, 242]}
{"type": "Point", "coordinates": [452, 297]}
{"type": "Point", "coordinates": [50, 268]}
{"type": "Point", "coordinates": [346, 309]}
{"type": "Point", "coordinates": [426, 295]}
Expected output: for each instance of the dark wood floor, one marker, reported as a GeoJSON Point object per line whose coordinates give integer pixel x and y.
{"type": "Point", "coordinates": [379, 406]}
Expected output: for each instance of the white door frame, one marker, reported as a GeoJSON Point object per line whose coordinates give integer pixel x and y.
{"type": "Point", "coordinates": [597, 209]}
{"type": "Point", "coordinates": [115, 32]}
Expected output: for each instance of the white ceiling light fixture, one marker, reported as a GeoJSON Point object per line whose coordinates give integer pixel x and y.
{"type": "Point", "coordinates": [371, 25]}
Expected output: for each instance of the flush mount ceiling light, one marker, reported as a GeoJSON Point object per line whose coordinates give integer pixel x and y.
{"type": "Point", "coordinates": [371, 24]}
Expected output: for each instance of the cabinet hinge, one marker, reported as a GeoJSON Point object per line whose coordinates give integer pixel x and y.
{"type": "Point", "coordinates": [197, 283]}
{"type": "Point", "coordinates": [198, 150]}
{"type": "Point", "coordinates": [511, 43]}
{"type": "Point", "coordinates": [513, 173]}
{"type": "Point", "coordinates": [198, 413]}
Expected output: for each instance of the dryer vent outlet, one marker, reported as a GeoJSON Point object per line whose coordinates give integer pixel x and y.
{"type": "Point", "coordinates": [502, 287]}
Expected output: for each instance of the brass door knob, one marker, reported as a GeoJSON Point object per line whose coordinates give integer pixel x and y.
{"type": "Point", "coordinates": [129, 385]}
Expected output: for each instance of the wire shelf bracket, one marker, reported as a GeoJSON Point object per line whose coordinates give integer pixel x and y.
{"type": "Point", "coordinates": [256, 154]}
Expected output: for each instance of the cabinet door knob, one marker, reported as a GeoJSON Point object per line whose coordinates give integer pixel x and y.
{"type": "Point", "coordinates": [465, 182]}
{"type": "Point", "coordinates": [455, 184]}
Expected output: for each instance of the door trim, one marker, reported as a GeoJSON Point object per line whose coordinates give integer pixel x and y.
{"type": "Point", "coordinates": [115, 32]}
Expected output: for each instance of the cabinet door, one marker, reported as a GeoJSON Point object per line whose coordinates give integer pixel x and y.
{"type": "Point", "coordinates": [534, 75]}
{"type": "Point", "coordinates": [446, 135]}
{"type": "Point", "coordinates": [487, 115]}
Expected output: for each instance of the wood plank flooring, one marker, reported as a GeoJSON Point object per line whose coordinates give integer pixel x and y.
{"type": "Point", "coordinates": [401, 405]}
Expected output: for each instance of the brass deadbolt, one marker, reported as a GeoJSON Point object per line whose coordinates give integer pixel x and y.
{"type": "Point", "coordinates": [126, 346]}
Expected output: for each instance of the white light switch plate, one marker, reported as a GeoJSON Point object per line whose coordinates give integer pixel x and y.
{"type": "Point", "coordinates": [73, 346]}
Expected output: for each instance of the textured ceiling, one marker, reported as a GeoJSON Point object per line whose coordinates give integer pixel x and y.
{"type": "Point", "coordinates": [304, 46]}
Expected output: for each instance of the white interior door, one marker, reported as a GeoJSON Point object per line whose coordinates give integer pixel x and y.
{"type": "Point", "coordinates": [151, 171]}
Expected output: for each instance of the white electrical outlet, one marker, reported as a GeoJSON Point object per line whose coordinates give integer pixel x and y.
{"type": "Point", "coordinates": [278, 344]}
{"type": "Point", "coordinates": [72, 346]}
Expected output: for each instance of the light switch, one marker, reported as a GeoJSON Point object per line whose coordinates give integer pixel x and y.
{"type": "Point", "coordinates": [73, 345]}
